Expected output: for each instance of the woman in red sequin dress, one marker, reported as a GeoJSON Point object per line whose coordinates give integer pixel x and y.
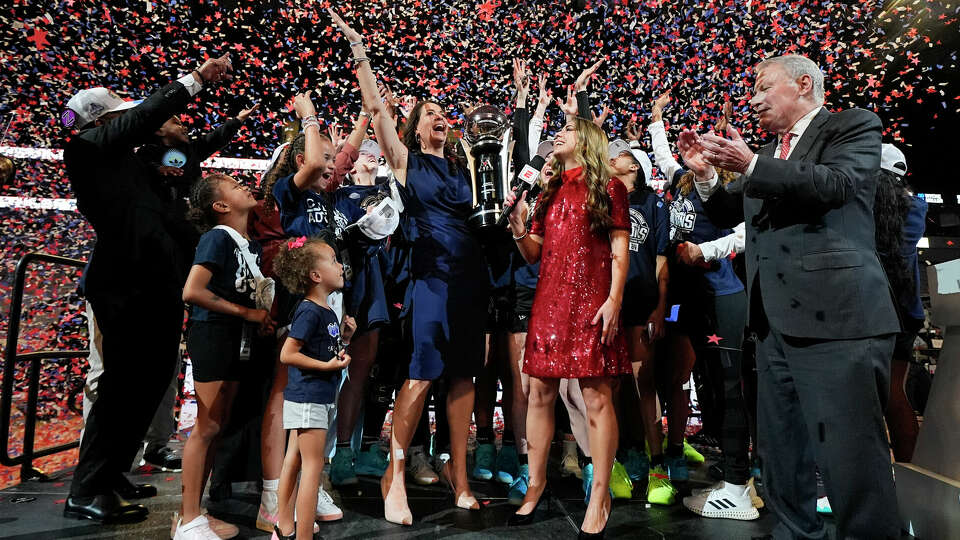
{"type": "Point", "coordinates": [580, 235]}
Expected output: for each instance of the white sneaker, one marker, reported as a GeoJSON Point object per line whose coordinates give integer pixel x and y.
{"type": "Point", "coordinates": [221, 528]}
{"type": "Point", "coordinates": [419, 469]}
{"type": "Point", "coordinates": [707, 490]}
{"type": "Point", "coordinates": [326, 509]}
{"type": "Point", "coordinates": [729, 502]}
{"type": "Point", "coordinates": [269, 507]}
{"type": "Point", "coordinates": [198, 529]}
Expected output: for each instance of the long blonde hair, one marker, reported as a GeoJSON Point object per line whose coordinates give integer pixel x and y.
{"type": "Point", "coordinates": [685, 184]}
{"type": "Point", "coordinates": [591, 154]}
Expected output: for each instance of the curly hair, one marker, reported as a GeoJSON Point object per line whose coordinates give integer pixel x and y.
{"type": "Point", "coordinates": [409, 138]}
{"type": "Point", "coordinates": [293, 265]}
{"type": "Point", "coordinates": [891, 206]}
{"type": "Point", "coordinates": [591, 154]}
{"type": "Point", "coordinates": [685, 184]}
{"type": "Point", "coordinates": [203, 193]}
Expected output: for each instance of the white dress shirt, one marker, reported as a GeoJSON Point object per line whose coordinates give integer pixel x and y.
{"type": "Point", "coordinates": [706, 188]}
{"type": "Point", "coordinates": [724, 246]}
{"type": "Point", "coordinates": [190, 84]}
{"type": "Point", "coordinates": [661, 151]}
{"type": "Point", "coordinates": [534, 131]}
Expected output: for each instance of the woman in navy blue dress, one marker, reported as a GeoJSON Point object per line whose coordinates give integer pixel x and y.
{"type": "Point", "coordinates": [447, 298]}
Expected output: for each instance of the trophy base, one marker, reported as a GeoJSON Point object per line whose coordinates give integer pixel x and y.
{"type": "Point", "coordinates": [484, 218]}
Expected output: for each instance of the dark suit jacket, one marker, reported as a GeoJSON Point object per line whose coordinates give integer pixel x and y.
{"type": "Point", "coordinates": [810, 248]}
{"type": "Point", "coordinates": [137, 234]}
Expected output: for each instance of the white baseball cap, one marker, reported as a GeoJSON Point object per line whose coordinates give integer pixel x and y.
{"type": "Point", "coordinates": [380, 222]}
{"type": "Point", "coordinates": [92, 103]}
{"type": "Point", "coordinates": [369, 147]}
{"type": "Point", "coordinates": [619, 146]}
{"type": "Point", "coordinates": [893, 160]}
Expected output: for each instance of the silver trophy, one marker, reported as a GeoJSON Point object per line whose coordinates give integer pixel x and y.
{"type": "Point", "coordinates": [485, 127]}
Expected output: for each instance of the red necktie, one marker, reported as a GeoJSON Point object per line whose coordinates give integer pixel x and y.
{"type": "Point", "coordinates": [785, 145]}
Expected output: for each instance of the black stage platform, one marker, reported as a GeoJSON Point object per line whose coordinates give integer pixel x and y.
{"type": "Point", "coordinates": [34, 510]}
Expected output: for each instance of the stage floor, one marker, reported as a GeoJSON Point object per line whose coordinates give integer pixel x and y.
{"type": "Point", "coordinates": [35, 510]}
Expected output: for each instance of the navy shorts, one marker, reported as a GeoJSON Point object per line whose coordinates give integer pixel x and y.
{"type": "Point", "coordinates": [214, 348]}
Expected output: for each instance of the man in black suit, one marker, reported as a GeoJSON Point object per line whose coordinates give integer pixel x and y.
{"type": "Point", "coordinates": [134, 282]}
{"type": "Point", "coordinates": [818, 298]}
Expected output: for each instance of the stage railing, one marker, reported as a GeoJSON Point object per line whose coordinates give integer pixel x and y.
{"type": "Point", "coordinates": [11, 360]}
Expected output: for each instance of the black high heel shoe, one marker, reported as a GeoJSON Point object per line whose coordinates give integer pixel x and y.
{"type": "Point", "coordinates": [592, 536]}
{"type": "Point", "coordinates": [596, 535]}
{"type": "Point", "coordinates": [519, 520]}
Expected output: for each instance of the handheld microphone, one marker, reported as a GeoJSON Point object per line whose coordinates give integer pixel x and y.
{"type": "Point", "coordinates": [526, 179]}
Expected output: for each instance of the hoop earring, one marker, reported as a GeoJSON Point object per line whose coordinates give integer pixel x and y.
{"type": "Point", "coordinates": [418, 140]}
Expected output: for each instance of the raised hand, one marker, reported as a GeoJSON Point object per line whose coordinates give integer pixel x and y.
{"type": "Point", "coordinates": [352, 35]}
{"type": "Point", "coordinates": [569, 107]}
{"type": "Point", "coordinates": [599, 120]}
{"type": "Point", "coordinates": [216, 69]}
{"type": "Point", "coordinates": [386, 94]}
{"type": "Point", "coordinates": [584, 79]}
{"type": "Point", "coordinates": [662, 100]}
{"type": "Point", "coordinates": [658, 105]}
{"type": "Point", "coordinates": [244, 114]}
{"type": "Point", "coordinates": [633, 132]}
{"type": "Point", "coordinates": [521, 78]}
{"type": "Point", "coordinates": [337, 136]}
{"type": "Point", "coordinates": [303, 105]}
{"type": "Point", "coordinates": [543, 99]}
{"type": "Point", "coordinates": [407, 104]}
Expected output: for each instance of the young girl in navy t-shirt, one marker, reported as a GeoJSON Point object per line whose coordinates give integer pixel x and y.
{"type": "Point", "coordinates": [314, 353]}
{"type": "Point", "coordinates": [221, 290]}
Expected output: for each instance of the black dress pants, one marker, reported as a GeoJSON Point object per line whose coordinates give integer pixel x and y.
{"type": "Point", "coordinates": [141, 339]}
{"type": "Point", "coordinates": [820, 405]}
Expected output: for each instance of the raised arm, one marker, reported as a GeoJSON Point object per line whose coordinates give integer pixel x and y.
{"type": "Point", "coordinates": [136, 126]}
{"type": "Point", "coordinates": [580, 89]}
{"type": "Point", "coordinates": [313, 159]}
{"type": "Point", "coordinates": [349, 153]}
{"type": "Point", "coordinates": [383, 125]}
{"type": "Point", "coordinates": [521, 117]}
{"type": "Point", "coordinates": [658, 140]}
{"type": "Point", "coordinates": [212, 141]}
{"type": "Point", "coordinates": [536, 123]}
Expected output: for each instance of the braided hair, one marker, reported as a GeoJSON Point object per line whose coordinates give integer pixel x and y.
{"type": "Point", "coordinates": [203, 194]}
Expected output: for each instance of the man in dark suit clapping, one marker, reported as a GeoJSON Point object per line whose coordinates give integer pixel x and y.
{"type": "Point", "coordinates": [818, 298]}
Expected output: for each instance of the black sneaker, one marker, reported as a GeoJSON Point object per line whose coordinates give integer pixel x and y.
{"type": "Point", "coordinates": [165, 458]}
